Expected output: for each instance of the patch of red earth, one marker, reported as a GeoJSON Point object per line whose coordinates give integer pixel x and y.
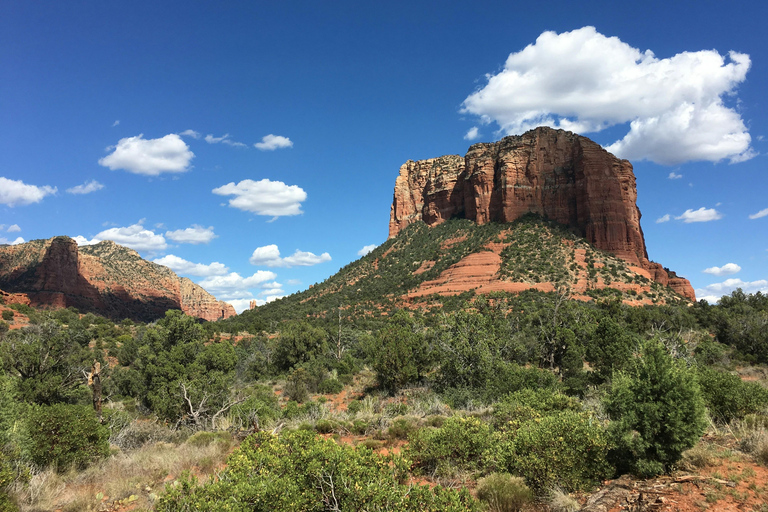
{"type": "Point", "coordinates": [425, 265]}
{"type": "Point", "coordinates": [447, 244]}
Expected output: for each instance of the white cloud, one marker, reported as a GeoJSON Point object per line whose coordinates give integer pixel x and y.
{"type": "Point", "coordinates": [14, 228]}
{"type": "Point", "coordinates": [182, 266]}
{"type": "Point", "coordinates": [194, 235]}
{"type": "Point", "coordinates": [366, 249]}
{"type": "Point", "coordinates": [664, 218]}
{"type": "Point", "coordinates": [135, 236]}
{"type": "Point", "coordinates": [269, 256]}
{"type": "Point", "coordinates": [233, 286]}
{"type": "Point", "coordinates": [190, 133]}
{"type": "Point", "coordinates": [16, 192]}
{"type": "Point", "coordinates": [700, 215]}
{"type": "Point", "coordinates": [224, 139]}
{"type": "Point", "coordinates": [674, 176]}
{"type": "Point", "coordinates": [761, 213]}
{"type": "Point", "coordinates": [713, 292]}
{"type": "Point", "coordinates": [472, 133]}
{"type": "Point", "coordinates": [272, 142]}
{"type": "Point", "coordinates": [86, 188]}
{"type": "Point", "coordinates": [117, 122]}
{"type": "Point", "coordinates": [241, 305]}
{"type": "Point", "coordinates": [264, 197]}
{"type": "Point", "coordinates": [586, 82]}
{"type": "Point", "coordinates": [725, 270]}
{"type": "Point", "coordinates": [150, 157]}
{"type": "Point", "coordinates": [5, 241]}
{"type": "Point", "coordinates": [293, 282]}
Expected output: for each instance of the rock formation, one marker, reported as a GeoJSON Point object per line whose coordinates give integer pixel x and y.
{"type": "Point", "coordinates": [104, 278]}
{"type": "Point", "coordinates": [554, 173]}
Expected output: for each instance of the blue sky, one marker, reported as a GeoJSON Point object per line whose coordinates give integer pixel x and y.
{"type": "Point", "coordinates": [254, 146]}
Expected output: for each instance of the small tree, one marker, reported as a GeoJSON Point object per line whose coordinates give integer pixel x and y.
{"type": "Point", "coordinates": [657, 412]}
{"type": "Point", "coordinates": [402, 357]}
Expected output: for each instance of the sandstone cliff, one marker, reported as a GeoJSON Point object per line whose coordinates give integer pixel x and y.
{"type": "Point", "coordinates": [554, 173]}
{"type": "Point", "coordinates": [104, 278]}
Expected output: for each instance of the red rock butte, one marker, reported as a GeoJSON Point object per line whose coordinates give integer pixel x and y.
{"type": "Point", "coordinates": [554, 173]}
{"type": "Point", "coordinates": [105, 278]}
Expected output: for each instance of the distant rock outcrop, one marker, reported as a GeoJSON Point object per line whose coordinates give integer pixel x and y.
{"type": "Point", "coordinates": [553, 173]}
{"type": "Point", "coordinates": [105, 278]}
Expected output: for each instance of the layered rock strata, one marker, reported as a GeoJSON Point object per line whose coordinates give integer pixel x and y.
{"type": "Point", "coordinates": [554, 173]}
{"type": "Point", "coordinates": [104, 278]}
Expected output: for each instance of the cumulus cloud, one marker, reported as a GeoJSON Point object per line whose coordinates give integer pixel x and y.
{"type": "Point", "coordinates": [269, 256]}
{"type": "Point", "coordinates": [13, 228]}
{"type": "Point", "coordinates": [664, 218]}
{"type": "Point", "coordinates": [191, 133]}
{"type": "Point", "coordinates": [725, 270]}
{"type": "Point", "coordinates": [182, 266]}
{"type": "Point", "coordinates": [713, 292]}
{"type": "Point", "coordinates": [16, 192]}
{"type": "Point", "coordinates": [150, 157]}
{"type": "Point", "coordinates": [272, 142]}
{"type": "Point", "coordinates": [674, 176]}
{"type": "Point", "coordinates": [472, 133]}
{"type": "Point", "coordinates": [233, 286]}
{"type": "Point", "coordinates": [366, 249]}
{"type": "Point", "coordinates": [224, 139]}
{"type": "Point", "coordinates": [586, 82]}
{"type": "Point", "coordinates": [264, 197]}
{"type": "Point", "coordinates": [194, 235]}
{"type": "Point", "coordinates": [761, 213]}
{"type": "Point", "coordinates": [136, 237]}
{"type": "Point", "coordinates": [86, 188]}
{"type": "Point", "coordinates": [241, 305]}
{"type": "Point", "coordinates": [5, 241]}
{"type": "Point", "coordinates": [700, 215]}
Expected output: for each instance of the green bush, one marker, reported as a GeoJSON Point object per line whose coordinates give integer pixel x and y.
{"type": "Point", "coordinates": [567, 449]}
{"type": "Point", "coordinates": [728, 397]}
{"type": "Point", "coordinates": [8, 315]}
{"type": "Point", "coordinates": [460, 443]}
{"type": "Point", "coordinates": [501, 492]}
{"type": "Point", "coordinates": [330, 387]}
{"type": "Point", "coordinates": [657, 412]}
{"type": "Point", "coordinates": [66, 435]}
{"type": "Point", "coordinates": [402, 356]}
{"type": "Point", "coordinates": [297, 385]}
{"type": "Point", "coordinates": [401, 428]}
{"type": "Point", "coordinates": [299, 472]}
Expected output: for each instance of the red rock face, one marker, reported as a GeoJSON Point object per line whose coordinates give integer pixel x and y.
{"type": "Point", "coordinates": [556, 174]}
{"type": "Point", "coordinates": [105, 278]}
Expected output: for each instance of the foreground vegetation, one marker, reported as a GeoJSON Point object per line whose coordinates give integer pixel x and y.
{"type": "Point", "coordinates": [515, 396]}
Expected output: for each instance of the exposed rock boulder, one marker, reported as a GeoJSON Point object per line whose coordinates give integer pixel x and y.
{"type": "Point", "coordinates": [105, 278]}
{"type": "Point", "coordinates": [554, 173]}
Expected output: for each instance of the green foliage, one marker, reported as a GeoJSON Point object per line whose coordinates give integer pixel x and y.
{"type": "Point", "coordinates": [526, 404]}
{"type": "Point", "coordinates": [502, 492]}
{"type": "Point", "coordinates": [567, 449]}
{"type": "Point", "coordinates": [728, 397]}
{"type": "Point", "coordinates": [299, 342]}
{"type": "Point", "coordinates": [742, 322]}
{"type": "Point", "coordinates": [300, 472]}
{"type": "Point", "coordinates": [8, 315]}
{"type": "Point", "coordinates": [47, 360]}
{"type": "Point", "coordinates": [297, 385]}
{"type": "Point", "coordinates": [460, 443]}
{"type": "Point", "coordinates": [657, 412]}
{"type": "Point", "coordinates": [66, 435]}
{"type": "Point", "coordinates": [402, 356]}
{"type": "Point", "coordinates": [610, 348]}
{"type": "Point", "coordinates": [330, 386]}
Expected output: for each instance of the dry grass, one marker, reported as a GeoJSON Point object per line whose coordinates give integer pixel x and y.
{"type": "Point", "coordinates": [134, 476]}
{"type": "Point", "coordinates": [561, 501]}
{"type": "Point", "coordinates": [700, 456]}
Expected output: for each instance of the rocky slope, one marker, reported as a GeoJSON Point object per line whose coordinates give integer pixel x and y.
{"type": "Point", "coordinates": [104, 278]}
{"type": "Point", "coordinates": [556, 174]}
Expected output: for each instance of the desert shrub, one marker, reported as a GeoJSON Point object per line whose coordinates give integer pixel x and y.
{"type": "Point", "coordinates": [4, 327]}
{"type": "Point", "coordinates": [8, 315]}
{"type": "Point", "coordinates": [402, 356]}
{"type": "Point", "coordinates": [657, 412]}
{"type": "Point", "coordinates": [299, 471]}
{"type": "Point", "coordinates": [567, 449]}
{"type": "Point", "coordinates": [7, 477]}
{"type": "Point", "coordinates": [66, 435]}
{"type": "Point", "coordinates": [297, 385]}
{"type": "Point", "coordinates": [526, 404]}
{"type": "Point", "coordinates": [137, 433]}
{"type": "Point", "coordinates": [401, 428]}
{"type": "Point", "coordinates": [728, 397]}
{"type": "Point", "coordinates": [501, 492]}
{"type": "Point", "coordinates": [330, 387]}
{"type": "Point", "coordinates": [359, 427]}
{"type": "Point", "coordinates": [299, 342]}
{"type": "Point", "coordinates": [699, 456]}
{"type": "Point", "coordinates": [560, 501]}
{"type": "Point", "coordinates": [460, 443]}
{"type": "Point", "coordinates": [325, 426]}
{"type": "Point", "coordinates": [202, 439]}
{"type": "Point", "coordinates": [260, 407]}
